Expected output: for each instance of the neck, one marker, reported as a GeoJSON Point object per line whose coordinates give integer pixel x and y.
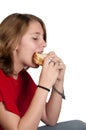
{"type": "Point", "coordinates": [15, 75]}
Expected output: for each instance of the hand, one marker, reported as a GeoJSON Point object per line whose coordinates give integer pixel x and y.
{"type": "Point", "coordinates": [60, 78]}
{"type": "Point", "coordinates": [50, 70]}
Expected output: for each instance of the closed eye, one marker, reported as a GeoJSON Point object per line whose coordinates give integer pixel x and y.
{"type": "Point", "coordinates": [35, 38]}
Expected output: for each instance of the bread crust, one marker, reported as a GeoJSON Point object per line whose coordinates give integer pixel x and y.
{"type": "Point", "coordinates": [39, 58]}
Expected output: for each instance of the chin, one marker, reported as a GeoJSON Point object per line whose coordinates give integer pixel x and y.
{"type": "Point", "coordinates": [35, 66]}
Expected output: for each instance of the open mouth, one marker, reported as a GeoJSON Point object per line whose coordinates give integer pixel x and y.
{"type": "Point", "coordinates": [40, 52]}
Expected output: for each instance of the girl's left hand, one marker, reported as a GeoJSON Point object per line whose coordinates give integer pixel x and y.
{"type": "Point", "coordinates": [60, 78]}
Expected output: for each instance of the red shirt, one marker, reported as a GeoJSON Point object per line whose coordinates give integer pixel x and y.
{"type": "Point", "coordinates": [16, 94]}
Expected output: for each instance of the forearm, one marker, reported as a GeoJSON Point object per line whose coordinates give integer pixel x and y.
{"type": "Point", "coordinates": [33, 115]}
{"type": "Point", "coordinates": [53, 107]}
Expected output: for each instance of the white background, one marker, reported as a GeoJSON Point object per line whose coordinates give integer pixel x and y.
{"type": "Point", "coordinates": [66, 31]}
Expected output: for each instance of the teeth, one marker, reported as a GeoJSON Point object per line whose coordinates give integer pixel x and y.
{"type": "Point", "coordinates": [39, 52]}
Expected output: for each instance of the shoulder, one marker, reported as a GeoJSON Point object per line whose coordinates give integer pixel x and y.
{"type": "Point", "coordinates": [1, 74]}
{"type": "Point", "coordinates": [25, 74]}
{"type": "Point", "coordinates": [3, 77]}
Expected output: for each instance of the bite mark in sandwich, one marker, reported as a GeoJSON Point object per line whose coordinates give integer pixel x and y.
{"type": "Point", "coordinates": [39, 58]}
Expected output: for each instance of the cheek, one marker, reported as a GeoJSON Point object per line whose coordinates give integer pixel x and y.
{"type": "Point", "coordinates": [27, 51]}
{"type": "Point", "coordinates": [32, 47]}
{"type": "Point", "coordinates": [28, 47]}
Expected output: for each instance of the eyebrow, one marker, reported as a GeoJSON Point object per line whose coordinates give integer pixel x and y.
{"type": "Point", "coordinates": [38, 33]}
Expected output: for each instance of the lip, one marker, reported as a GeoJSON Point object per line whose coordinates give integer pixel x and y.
{"type": "Point", "coordinates": [40, 52]}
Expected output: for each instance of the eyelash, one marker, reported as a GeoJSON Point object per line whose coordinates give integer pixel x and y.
{"type": "Point", "coordinates": [35, 38]}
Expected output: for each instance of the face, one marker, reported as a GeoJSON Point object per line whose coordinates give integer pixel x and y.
{"type": "Point", "coordinates": [31, 42]}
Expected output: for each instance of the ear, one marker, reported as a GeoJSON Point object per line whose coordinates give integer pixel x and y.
{"type": "Point", "coordinates": [16, 47]}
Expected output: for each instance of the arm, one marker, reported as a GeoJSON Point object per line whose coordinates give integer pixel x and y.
{"type": "Point", "coordinates": [55, 101]}
{"type": "Point", "coordinates": [33, 115]}
{"type": "Point", "coordinates": [30, 120]}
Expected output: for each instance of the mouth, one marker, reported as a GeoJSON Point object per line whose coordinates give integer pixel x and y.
{"type": "Point", "coordinates": [39, 52]}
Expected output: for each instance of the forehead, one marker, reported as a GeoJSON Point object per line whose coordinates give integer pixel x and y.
{"type": "Point", "coordinates": [35, 27]}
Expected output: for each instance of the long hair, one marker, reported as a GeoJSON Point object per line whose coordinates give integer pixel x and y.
{"type": "Point", "coordinates": [12, 28]}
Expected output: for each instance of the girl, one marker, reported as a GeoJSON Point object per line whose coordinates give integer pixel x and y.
{"type": "Point", "coordinates": [22, 102]}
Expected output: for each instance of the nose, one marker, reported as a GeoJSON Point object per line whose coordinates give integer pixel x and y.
{"type": "Point", "coordinates": [43, 43]}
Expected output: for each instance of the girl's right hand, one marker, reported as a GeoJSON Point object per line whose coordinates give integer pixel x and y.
{"type": "Point", "coordinates": [50, 70]}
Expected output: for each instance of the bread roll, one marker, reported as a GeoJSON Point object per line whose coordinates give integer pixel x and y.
{"type": "Point", "coordinates": [39, 58]}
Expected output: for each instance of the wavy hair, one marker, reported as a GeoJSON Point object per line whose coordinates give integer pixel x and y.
{"type": "Point", "coordinates": [12, 28]}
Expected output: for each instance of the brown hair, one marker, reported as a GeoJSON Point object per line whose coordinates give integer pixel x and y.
{"type": "Point", "coordinates": [12, 29]}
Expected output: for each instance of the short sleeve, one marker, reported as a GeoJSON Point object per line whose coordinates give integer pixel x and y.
{"type": "Point", "coordinates": [9, 105]}
{"type": "Point", "coordinates": [1, 97]}
{"type": "Point", "coordinates": [17, 95]}
{"type": "Point", "coordinates": [8, 93]}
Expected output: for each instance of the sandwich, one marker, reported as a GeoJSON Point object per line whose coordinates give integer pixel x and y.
{"type": "Point", "coordinates": [38, 58]}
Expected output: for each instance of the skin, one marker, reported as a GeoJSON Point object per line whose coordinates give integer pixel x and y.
{"type": "Point", "coordinates": [32, 41]}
